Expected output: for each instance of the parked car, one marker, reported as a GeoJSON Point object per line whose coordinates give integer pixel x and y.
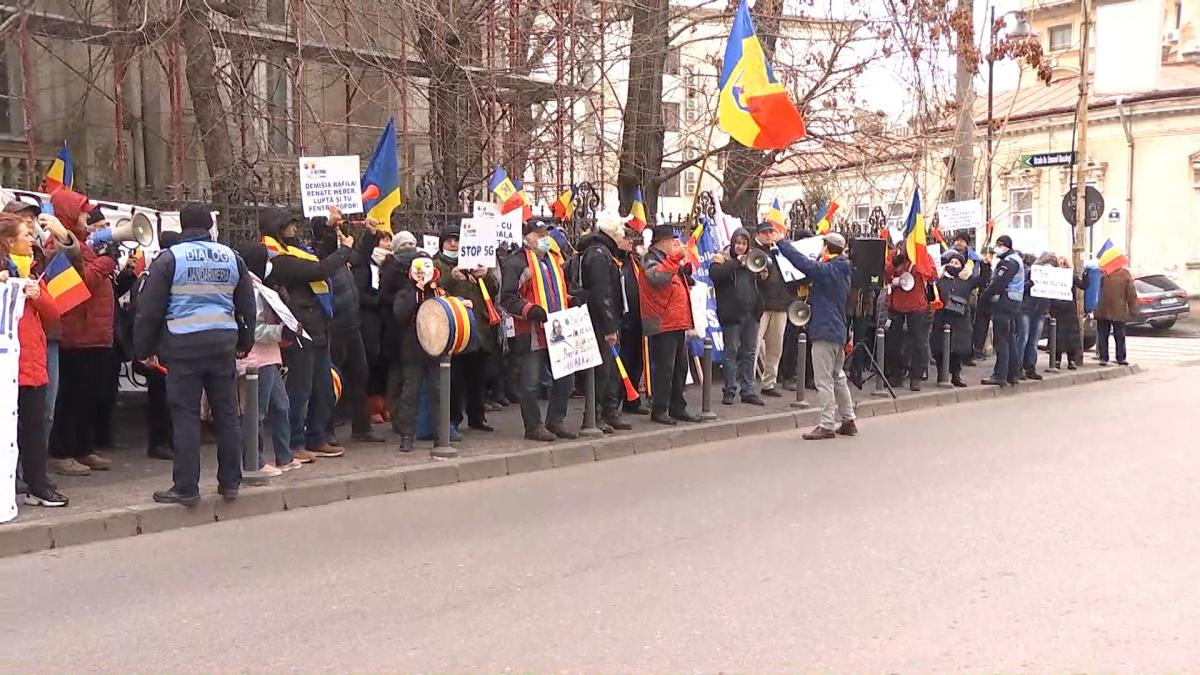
{"type": "Point", "coordinates": [1160, 301]}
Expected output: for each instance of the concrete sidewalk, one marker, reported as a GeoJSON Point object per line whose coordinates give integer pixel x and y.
{"type": "Point", "coordinates": [117, 503]}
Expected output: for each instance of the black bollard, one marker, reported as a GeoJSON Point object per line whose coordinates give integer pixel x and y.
{"type": "Point", "coordinates": [706, 412]}
{"type": "Point", "coordinates": [589, 404]}
{"type": "Point", "coordinates": [250, 473]}
{"type": "Point", "coordinates": [1052, 343]}
{"type": "Point", "coordinates": [880, 385]}
{"type": "Point", "coordinates": [801, 369]}
{"type": "Point", "coordinates": [441, 447]}
{"type": "Point", "coordinates": [944, 371]}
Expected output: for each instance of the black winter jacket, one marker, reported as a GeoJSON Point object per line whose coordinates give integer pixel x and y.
{"type": "Point", "coordinates": [292, 276]}
{"type": "Point", "coordinates": [776, 293]}
{"type": "Point", "coordinates": [735, 286]}
{"type": "Point", "coordinates": [601, 278]}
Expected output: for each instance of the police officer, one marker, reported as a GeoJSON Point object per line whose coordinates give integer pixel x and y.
{"type": "Point", "coordinates": [195, 313]}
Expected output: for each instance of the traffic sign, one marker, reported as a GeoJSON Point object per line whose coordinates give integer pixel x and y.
{"type": "Point", "coordinates": [1044, 159]}
{"type": "Point", "coordinates": [1094, 204]}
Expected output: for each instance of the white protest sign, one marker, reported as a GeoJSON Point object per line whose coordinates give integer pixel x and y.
{"type": "Point", "coordinates": [508, 227]}
{"type": "Point", "coordinates": [477, 243]}
{"type": "Point", "coordinates": [280, 308]}
{"type": "Point", "coordinates": [330, 181]}
{"type": "Point", "coordinates": [485, 210]}
{"type": "Point", "coordinates": [897, 235]}
{"type": "Point", "coordinates": [1055, 283]}
{"type": "Point", "coordinates": [935, 253]}
{"type": "Point", "coordinates": [429, 244]}
{"type": "Point", "coordinates": [571, 342]}
{"type": "Point", "coordinates": [956, 217]}
{"type": "Point", "coordinates": [12, 306]}
{"type": "Point", "coordinates": [787, 269]}
{"type": "Point", "coordinates": [699, 298]}
{"type": "Point", "coordinates": [810, 246]}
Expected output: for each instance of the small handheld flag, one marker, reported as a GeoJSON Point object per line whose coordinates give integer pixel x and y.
{"type": "Point", "coordinates": [502, 186]}
{"type": "Point", "coordinates": [754, 107]}
{"type": "Point", "coordinates": [775, 217]}
{"type": "Point", "coordinates": [493, 315]}
{"type": "Point", "coordinates": [631, 392]}
{"type": "Point", "coordinates": [381, 181]}
{"type": "Point", "coordinates": [825, 224]}
{"type": "Point", "coordinates": [61, 173]}
{"type": "Point", "coordinates": [1110, 257]}
{"type": "Point", "coordinates": [64, 283]}
{"type": "Point", "coordinates": [563, 208]}
{"type": "Point", "coordinates": [637, 211]}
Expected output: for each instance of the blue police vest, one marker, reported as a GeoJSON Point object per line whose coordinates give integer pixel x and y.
{"type": "Point", "coordinates": [1016, 285]}
{"type": "Point", "coordinates": [202, 290]}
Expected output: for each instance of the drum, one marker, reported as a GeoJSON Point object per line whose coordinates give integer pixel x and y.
{"type": "Point", "coordinates": [445, 326]}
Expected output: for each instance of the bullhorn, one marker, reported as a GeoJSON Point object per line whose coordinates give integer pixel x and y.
{"type": "Point", "coordinates": [799, 313]}
{"type": "Point", "coordinates": [137, 229]}
{"type": "Point", "coordinates": [907, 281]}
{"type": "Point", "coordinates": [757, 261]}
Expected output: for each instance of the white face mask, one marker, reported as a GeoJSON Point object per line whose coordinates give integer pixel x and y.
{"type": "Point", "coordinates": [1000, 250]}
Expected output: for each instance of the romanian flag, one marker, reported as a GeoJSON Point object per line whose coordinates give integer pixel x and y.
{"type": "Point", "coordinates": [1111, 258]}
{"type": "Point", "coordinates": [139, 261]}
{"type": "Point", "coordinates": [61, 173]}
{"type": "Point", "coordinates": [381, 180]}
{"type": "Point", "coordinates": [692, 247]}
{"type": "Point", "coordinates": [502, 186]}
{"type": "Point", "coordinates": [563, 208]}
{"type": "Point", "coordinates": [549, 283]}
{"type": "Point", "coordinates": [825, 224]}
{"type": "Point", "coordinates": [637, 211]}
{"type": "Point", "coordinates": [914, 238]}
{"type": "Point", "coordinates": [64, 283]}
{"type": "Point", "coordinates": [753, 107]}
{"type": "Point", "coordinates": [526, 207]}
{"type": "Point", "coordinates": [775, 217]}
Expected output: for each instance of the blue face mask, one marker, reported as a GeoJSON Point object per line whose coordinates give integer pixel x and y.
{"type": "Point", "coordinates": [543, 245]}
{"type": "Point", "coordinates": [453, 255]}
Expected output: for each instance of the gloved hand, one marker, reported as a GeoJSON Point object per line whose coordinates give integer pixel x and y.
{"type": "Point", "coordinates": [107, 248]}
{"type": "Point", "coordinates": [536, 313]}
{"type": "Point", "coordinates": [580, 298]}
{"type": "Point", "coordinates": [965, 274]}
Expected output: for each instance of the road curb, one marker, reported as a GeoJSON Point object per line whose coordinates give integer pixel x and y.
{"type": "Point", "coordinates": [20, 538]}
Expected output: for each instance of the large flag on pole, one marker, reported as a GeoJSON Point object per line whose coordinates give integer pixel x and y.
{"type": "Point", "coordinates": [753, 107]}
{"type": "Point", "coordinates": [914, 238]}
{"type": "Point", "coordinates": [381, 180]}
{"type": "Point", "coordinates": [61, 173]}
{"type": "Point", "coordinates": [506, 192]}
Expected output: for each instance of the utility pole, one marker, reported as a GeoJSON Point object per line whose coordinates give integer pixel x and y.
{"type": "Point", "coordinates": [1081, 120]}
{"type": "Point", "coordinates": [991, 63]}
{"type": "Point", "coordinates": [964, 141]}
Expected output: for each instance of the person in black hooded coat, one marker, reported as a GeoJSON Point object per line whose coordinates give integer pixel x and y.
{"type": "Point", "coordinates": [954, 294]}
{"type": "Point", "coordinates": [739, 307]}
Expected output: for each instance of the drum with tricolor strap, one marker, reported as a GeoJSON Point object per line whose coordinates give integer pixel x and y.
{"type": "Point", "coordinates": [445, 326]}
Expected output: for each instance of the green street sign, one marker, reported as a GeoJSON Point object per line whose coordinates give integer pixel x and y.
{"type": "Point", "coordinates": [1045, 159]}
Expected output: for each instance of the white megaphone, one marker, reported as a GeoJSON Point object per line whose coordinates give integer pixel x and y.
{"type": "Point", "coordinates": [137, 229]}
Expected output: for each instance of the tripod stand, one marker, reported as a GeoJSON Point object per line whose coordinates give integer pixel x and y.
{"type": "Point", "coordinates": [863, 356]}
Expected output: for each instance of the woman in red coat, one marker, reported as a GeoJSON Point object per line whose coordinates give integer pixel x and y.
{"type": "Point", "coordinates": [16, 249]}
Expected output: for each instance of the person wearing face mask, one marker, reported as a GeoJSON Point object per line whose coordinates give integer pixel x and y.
{"type": "Point", "coordinates": [1004, 294]}
{"type": "Point", "coordinates": [632, 340]}
{"type": "Point", "coordinates": [467, 369]}
{"type": "Point", "coordinates": [86, 341]}
{"type": "Point", "coordinates": [392, 272]}
{"type": "Point", "coordinates": [371, 253]}
{"type": "Point", "coordinates": [422, 282]}
{"type": "Point", "coordinates": [303, 280]}
{"type": "Point", "coordinates": [666, 317]}
{"type": "Point", "coordinates": [908, 334]}
{"type": "Point", "coordinates": [776, 295]}
{"type": "Point", "coordinates": [955, 292]}
{"type": "Point", "coordinates": [534, 285]}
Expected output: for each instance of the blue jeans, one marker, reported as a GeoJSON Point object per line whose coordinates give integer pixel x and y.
{"type": "Point", "coordinates": [273, 402]}
{"type": "Point", "coordinates": [741, 341]}
{"type": "Point", "coordinates": [310, 394]}
{"type": "Point", "coordinates": [1029, 331]}
{"type": "Point", "coordinates": [52, 387]}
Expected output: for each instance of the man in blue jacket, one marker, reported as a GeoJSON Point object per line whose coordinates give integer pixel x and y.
{"type": "Point", "coordinates": [827, 330]}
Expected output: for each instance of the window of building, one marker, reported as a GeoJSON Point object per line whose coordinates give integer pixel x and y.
{"type": "Point", "coordinates": [861, 213]}
{"type": "Point", "coordinates": [895, 214]}
{"type": "Point", "coordinates": [277, 85]}
{"type": "Point", "coordinates": [670, 187]}
{"type": "Point", "coordinates": [670, 114]}
{"type": "Point", "coordinates": [275, 12]}
{"type": "Point", "coordinates": [1020, 208]}
{"type": "Point", "coordinates": [672, 64]}
{"type": "Point", "coordinates": [1060, 37]}
{"type": "Point", "coordinates": [689, 183]}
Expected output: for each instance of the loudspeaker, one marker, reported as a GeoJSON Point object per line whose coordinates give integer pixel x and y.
{"type": "Point", "coordinates": [867, 256]}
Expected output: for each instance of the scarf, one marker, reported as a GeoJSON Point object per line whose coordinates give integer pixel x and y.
{"type": "Point", "coordinates": [23, 263]}
{"type": "Point", "coordinates": [549, 284]}
{"type": "Point", "coordinates": [319, 288]}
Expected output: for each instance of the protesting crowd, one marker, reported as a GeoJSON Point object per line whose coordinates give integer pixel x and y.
{"type": "Point", "coordinates": [330, 323]}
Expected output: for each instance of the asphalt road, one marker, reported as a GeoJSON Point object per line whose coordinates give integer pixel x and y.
{"type": "Point", "coordinates": [1043, 533]}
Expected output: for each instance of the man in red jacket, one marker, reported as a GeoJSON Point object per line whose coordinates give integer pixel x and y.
{"type": "Point", "coordinates": [908, 308]}
{"type": "Point", "coordinates": [87, 337]}
{"type": "Point", "coordinates": [666, 316]}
